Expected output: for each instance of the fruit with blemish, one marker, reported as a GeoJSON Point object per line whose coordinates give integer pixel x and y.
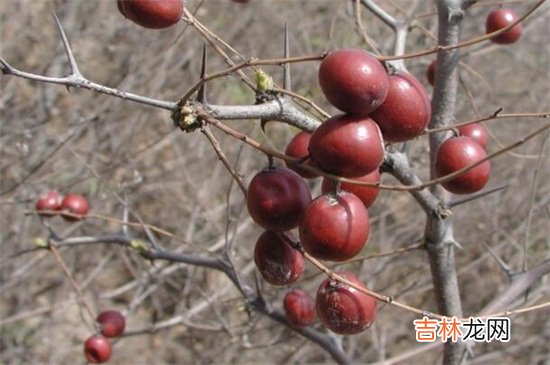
{"type": "Point", "coordinates": [344, 309]}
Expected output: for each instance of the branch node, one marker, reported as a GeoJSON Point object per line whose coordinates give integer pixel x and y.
{"type": "Point", "coordinates": [185, 118]}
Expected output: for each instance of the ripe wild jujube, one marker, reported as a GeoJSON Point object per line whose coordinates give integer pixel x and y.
{"type": "Point", "coordinates": [298, 148]}
{"type": "Point", "coordinates": [477, 132]}
{"type": "Point", "coordinates": [74, 204]}
{"type": "Point", "coordinates": [112, 323]}
{"type": "Point", "coordinates": [502, 18]}
{"type": "Point", "coordinates": [276, 260]}
{"type": "Point", "coordinates": [343, 309]}
{"type": "Point", "coordinates": [406, 111]}
{"type": "Point", "coordinates": [456, 153]}
{"type": "Point", "coordinates": [334, 227]}
{"type": "Point", "coordinates": [353, 81]}
{"type": "Point", "coordinates": [299, 308]}
{"type": "Point", "coordinates": [276, 198]}
{"type": "Point", "coordinates": [347, 145]}
{"type": "Point", "coordinates": [97, 349]}
{"type": "Point", "coordinates": [366, 194]}
{"type": "Point", "coordinates": [49, 200]}
{"type": "Point", "coordinates": [153, 14]}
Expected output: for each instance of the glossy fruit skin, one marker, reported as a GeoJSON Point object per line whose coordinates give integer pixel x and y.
{"type": "Point", "coordinates": [430, 72]}
{"type": "Point", "coordinates": [347, 145]}
{"type": "Point", "coordinates": [48, 200]}
{"type": "Point", "coordinates": [343, 309]}
{"type": "Point", "coordinates": [112, 323]}
{"type": "Point", "coordinates": [299, 308]}
{"type": "Point", "coordinates": [477, 132]}
{"type": "Point", "coordinates": [353, 81]}
{"type": "Point", "coordinates": [499, 19]}
{"type": "Point", "coordinates": [276, 198]}
{"type": "Point", "coordinates": [74, 204]}
{"type": "Point", "coordinates": [334, 227]}
{"type": "Point", "coordinates": [97, 349]}
{"type": "Point", "coordinates": [298, 148]}
{"type": "Point", "coordinates": [366, 194]}
{"type": "Point", "coordinates": [406, 111]}
{"type": "Point", "coordinates": [152, 14]}
{"type": "Point", "coordinates": [456, 153]}
{"type": "Point", "coordinates": [277, 261]}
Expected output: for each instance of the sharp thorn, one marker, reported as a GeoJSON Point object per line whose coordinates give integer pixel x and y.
{"type": "Point", "coordinates": [286, 67]}
{"type": "Point", "coordinates": [263, 122]}
{"type": "Point", "coordinates": [201, 94]}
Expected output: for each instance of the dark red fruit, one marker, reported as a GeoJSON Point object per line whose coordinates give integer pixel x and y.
{"type": "Point", "coordinates": [430, 73]}
{"type": "Point", "coordinates": [49, 200]}
{"type": "Point", "coordinates": [343, 309]}
{"type": "Point", "coordinates": [477, 132]}
{"type": "Point", "coordinates": [499, 19]}
{"type": "Point", "coordinates": [276, 198]}
{"type": "Point", "coordinates": [347, 145]}
{"type": "Point", "coordinates": [406, 111]}
{"type": "Point", "coordinates": [299, 308]}
{"type": "Point", "coordinates": [112, 323]}
{"type": "Point", "coordinates": [74, 204]}
{"type": "Point", "coordinates": [120, 6]}
{"type": "Point", "coordinates": [334, 227]}
{"type": "Point", "coordinates": [353, 80]}
{"type": "Point", "coordinates": [366, 194]}
{"type": "Point", "coordinates": [298, 148]}
{"type": "Point", "coordinates": [277, 261]}
{"type": "Point", "coordinates": [97, 349]}
{"type": "Point", "coordinates": [456, 153]}
{"type": "Point", "coordinates": [153, 14]}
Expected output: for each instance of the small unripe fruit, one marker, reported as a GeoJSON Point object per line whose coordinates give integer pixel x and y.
{"type": "Point", "coordinates": [502, 18]}
{"type": "Point", "coordinates": [153, 14]}
{"type": "Point", "coordinates": [74, 204]}
{"type": "Point", "coordinates": [456, 153]}
{"type": "Point", "coordinates": [49, 200]}
{"type": "Point", "coordinates": [353, 80]}
{"type": "Point", "coordinates": [276, 198]}
{"type": "Point", "coordinates": [112, 323]}
{"type": "Point", "coordinates": [299, 308]}
{"type": "Point", "coordinates": [276, 260]}
{"type": "Point", "coordinates": [298, 148]}
{"type": "Point", "coordinates": [334, 227]}
{"type": "Point", "coordinates": [97, 349]}
{"type": "Point", "coordinates": [366, 194]}
{"type": "Point", "coordinates": [347, 145]}
{"type": "Point", "coordinates": [343, 309]}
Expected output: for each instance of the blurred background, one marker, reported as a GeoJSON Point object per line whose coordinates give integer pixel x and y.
{"type": "Point", "coordinates": [112, 151]}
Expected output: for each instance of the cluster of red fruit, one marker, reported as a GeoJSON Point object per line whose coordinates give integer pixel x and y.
{"type": "Point", "coordinates": [377, 107]}
{"type": "Point", "coordinates": [335, 226]}
{"type": "Point", "coordinates": [97, 348]}
{"type": "Point", "coordinates": [51, 202]}
{"type": "Point", "coordinates": [469, 147]}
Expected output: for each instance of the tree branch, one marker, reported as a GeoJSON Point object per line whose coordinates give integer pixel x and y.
{"type": "Point", "coordinates": [439, 229]}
